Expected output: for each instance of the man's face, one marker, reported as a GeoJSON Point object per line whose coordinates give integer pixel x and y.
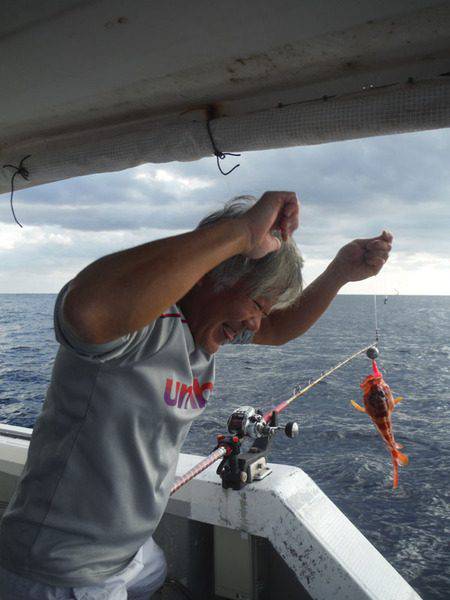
{"type": "Point", "coordinates": [215, 318]}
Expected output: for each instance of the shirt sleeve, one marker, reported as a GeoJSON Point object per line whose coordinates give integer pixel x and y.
{"type": "Point", "coordinates": [114, 349]}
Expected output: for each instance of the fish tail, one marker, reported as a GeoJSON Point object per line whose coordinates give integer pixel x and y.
{"type": "Point", "coordinates": [397, 459]}
{"type": "Point", "coordinates": [395, 475]}
{"type": "Point", "coordinates": [400, 459]}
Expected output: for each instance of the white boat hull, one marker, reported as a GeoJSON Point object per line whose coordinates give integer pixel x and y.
{"type": "Point", "coordinates": [277, 538]}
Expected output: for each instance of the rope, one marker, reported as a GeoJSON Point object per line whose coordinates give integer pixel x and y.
{"type": "Point", "coordinates": [23, 172]}
{"type": "Point", "coordinates": [218, 154]}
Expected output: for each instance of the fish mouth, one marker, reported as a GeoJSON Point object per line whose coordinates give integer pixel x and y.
{"type": "Point", "coordinates": [370, 381]}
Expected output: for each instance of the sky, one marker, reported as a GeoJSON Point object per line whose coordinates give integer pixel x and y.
{"type": "Point", "coordinates": [347, 190]}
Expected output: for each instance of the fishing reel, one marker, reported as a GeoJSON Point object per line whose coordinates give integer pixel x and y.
{"type": "Point", "coordinates": [245, 421]}
{"type": "Point", "coordinates": [239, 468]}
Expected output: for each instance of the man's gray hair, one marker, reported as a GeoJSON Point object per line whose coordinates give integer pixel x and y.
{"type": "Point", "coordinates": [277, 275]}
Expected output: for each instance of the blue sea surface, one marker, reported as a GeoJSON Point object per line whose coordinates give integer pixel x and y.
{"type": "Point", "coordinates": [337, 446]}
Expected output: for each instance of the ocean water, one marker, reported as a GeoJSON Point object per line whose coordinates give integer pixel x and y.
{"type": "Point", "coordinates": [337, 446]}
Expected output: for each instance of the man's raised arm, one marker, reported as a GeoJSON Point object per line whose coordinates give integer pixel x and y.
{"type": "Point", "coordinates": [356, 261]}
{"type": "Point", "coordinates": [122, 292]}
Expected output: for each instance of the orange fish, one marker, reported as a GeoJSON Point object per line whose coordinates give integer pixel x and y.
{"type": "Point", "coordinates": [379, 404]}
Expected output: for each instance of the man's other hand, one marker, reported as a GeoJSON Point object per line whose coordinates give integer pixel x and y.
{"type": "Point", "coordinates": [362, 258]}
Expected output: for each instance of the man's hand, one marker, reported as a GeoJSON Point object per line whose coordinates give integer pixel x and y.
{"type": "Point", "coordinates": [273, 211]}
{"type": "Point", "coordinates": [361, 259]}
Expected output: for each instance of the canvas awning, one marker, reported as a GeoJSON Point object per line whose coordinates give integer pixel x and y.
{"type": "Point", "coordinates": [96, 86]}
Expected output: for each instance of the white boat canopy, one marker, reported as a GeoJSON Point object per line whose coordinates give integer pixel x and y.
{"type": "Point", "coordinates": [95, 86]}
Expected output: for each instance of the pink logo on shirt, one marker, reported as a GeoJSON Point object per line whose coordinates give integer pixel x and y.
{"type": "Point", "coordinates": [187, 396]}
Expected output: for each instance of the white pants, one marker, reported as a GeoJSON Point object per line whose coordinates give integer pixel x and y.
{"type": "Point", "coordinates": [143, 575]}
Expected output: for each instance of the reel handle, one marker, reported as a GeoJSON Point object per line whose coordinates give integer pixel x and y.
{"type": "Point", "coordinates": [291, 429]}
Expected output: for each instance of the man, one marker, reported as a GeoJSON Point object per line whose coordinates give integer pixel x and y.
{"type": "Point", "coordinates": [138, 332]}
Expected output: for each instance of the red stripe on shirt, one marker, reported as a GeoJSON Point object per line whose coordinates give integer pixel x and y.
{"type": "Point", "coordinates": [177, 315]}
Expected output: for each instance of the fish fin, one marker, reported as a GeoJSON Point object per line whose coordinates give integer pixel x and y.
{"type": "Point", "coordinates": [397, 400]}
{"type": "Point", "coordinates": [399, 446]}
{"type": "Point", "coordinates": [401, 459]}
{"type": "Point", "coordinates": [358, 406]}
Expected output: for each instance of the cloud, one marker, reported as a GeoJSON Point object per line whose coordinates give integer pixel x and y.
{"type": "Point", "coordinates": [177, 184]}
{"type": "Point", "coordinates": [129, 216]}
{"type": "Point", "coordinates": [14, 238]}
{"type": "Point", "coordinates": [41, 260]}
{"type": "Point", "coordinates": [145, 196]}
{"type": "Point", "coordinates": [347, 190]}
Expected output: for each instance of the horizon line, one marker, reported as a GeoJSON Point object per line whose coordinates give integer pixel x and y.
{"type": "Point", "coordinates": [339, 294]}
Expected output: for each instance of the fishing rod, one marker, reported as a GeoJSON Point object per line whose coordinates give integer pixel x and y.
{"type": "Point", "coordinates": [371, 351]}
{"type": "Point", "coordinates": [239, 468]}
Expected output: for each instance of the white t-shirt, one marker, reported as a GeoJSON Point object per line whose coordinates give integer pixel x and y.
{"type": "Point", "coordinates": [104, 450]}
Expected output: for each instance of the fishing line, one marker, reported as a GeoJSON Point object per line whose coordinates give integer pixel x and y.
{"type": "Point", "coordinates": [377, 336]}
